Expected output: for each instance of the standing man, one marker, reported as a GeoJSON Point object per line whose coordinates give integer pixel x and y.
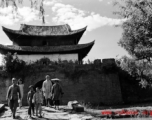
{"type": "Point", "coordinates": [12, 96]}
{"type": "Point", "coordinates": [56, 92]}
{"type": "Point", "coordinates": [46, 88]}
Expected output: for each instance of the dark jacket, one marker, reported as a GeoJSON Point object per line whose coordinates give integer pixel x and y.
{"type": "Point", "coordinates": [56, 91]}
{"type": "Point", "coordinates": [12, 93]}
{"type": "Point", "coordinates": [30, 96]}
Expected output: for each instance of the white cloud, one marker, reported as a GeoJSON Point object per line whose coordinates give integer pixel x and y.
{"type": "Point", "coordinates": [24, 14]}
{"type": "Point", "coordinates": [27, 14]}
{"type": "Point", "coordinates": [50, 2]}
{"type": "Point", "coordinates": [77, 18]}
{"type": "Point", "coordinates": [100, 0]}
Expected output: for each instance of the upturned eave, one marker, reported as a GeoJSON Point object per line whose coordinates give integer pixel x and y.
{"type": "Point", "coordinates": [82, 49]}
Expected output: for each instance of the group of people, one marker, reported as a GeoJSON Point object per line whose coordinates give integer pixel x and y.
{"type": "Point", "coordinates": [50, 93]}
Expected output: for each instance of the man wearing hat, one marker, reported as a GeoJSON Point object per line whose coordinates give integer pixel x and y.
{"type": "Point", "coordinates": [30, 100]}
{"type": "Point", "coordinates": [46, 88]}
{"type": "Point", "coordinates": [56, 92]}
{"type": "Point", "coordinates": [12, 96]}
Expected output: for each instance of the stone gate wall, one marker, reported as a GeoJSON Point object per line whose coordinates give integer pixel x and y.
{"type": "Point", "coordinates": [96, 88]}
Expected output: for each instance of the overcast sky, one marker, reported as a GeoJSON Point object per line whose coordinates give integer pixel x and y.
{"type": "Point", "coordinates": [97, 15]}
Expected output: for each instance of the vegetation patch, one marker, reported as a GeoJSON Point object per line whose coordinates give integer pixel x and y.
{"type": "Point", "coordinates": [14, 67]}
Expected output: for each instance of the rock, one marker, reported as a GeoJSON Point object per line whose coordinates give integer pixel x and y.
{"type": "Point", "coordinates": [72, 103]}
{"type": "Point", "coordinates": [75, 106]}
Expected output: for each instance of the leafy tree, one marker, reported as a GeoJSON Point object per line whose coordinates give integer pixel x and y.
{"type": "Point", "coordinates": [137, 38]}
{"type": "Point", "coordinates": [137, 29]}
{"type": "Point", "coordinates": [139, 69]}
{"type": "Point", "coordinates": [35, 4]}
{"type": "Point", "coordinates": [12, 63]}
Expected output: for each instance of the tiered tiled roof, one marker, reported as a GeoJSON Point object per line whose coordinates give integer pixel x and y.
{"type": "Point", "coordinates": [46, 40]}
{"type": "Point", "coordinates": [81, 48]}
{"type": "Point", "coordinates": [60, 35]}
{"type": "Point", "coordinates": [62, 30]}
{"type": "Point", "coordinates": [46, 30]}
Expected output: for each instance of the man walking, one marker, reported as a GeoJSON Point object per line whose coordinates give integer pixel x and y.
{"type": "Point", "coordinates": [12, 96]}
{"type": "Point", "coordinates": [46, 88]}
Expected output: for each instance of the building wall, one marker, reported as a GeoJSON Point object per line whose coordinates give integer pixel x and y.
{"type": "Point", "coordinates": [94, 87]}
{"type": "Point", "coordinates": [53, 57]}
{"type": "Point", "coordinates": [4, 84]}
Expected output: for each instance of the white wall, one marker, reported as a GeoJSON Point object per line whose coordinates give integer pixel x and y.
{"type": "Point", "coordinates": [53, 57]}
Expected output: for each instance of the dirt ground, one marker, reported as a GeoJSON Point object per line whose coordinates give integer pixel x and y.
{"type": "Point", "coordinates": [48, 114]}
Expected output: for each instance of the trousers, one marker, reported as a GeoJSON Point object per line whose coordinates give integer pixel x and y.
{"type": "Point", "coordinates": [31, 108]}
{"type": "Point", "coordinates": [13, 105]}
